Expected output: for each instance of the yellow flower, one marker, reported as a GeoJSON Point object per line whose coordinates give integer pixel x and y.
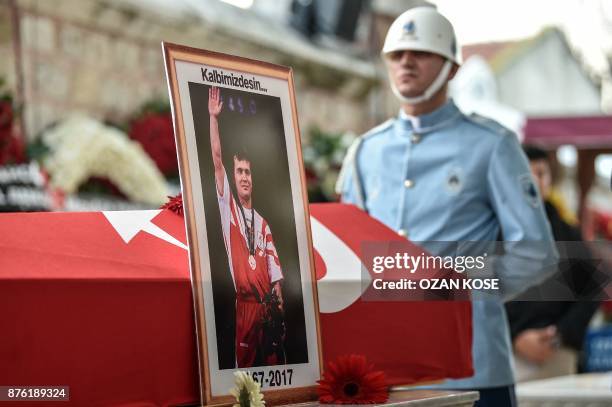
{"type": "Point", "coordinates": [247, 391]}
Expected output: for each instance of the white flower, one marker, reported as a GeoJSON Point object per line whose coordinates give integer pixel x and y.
{"type": "Point", "coordinates": [82, 147]}
{"type": "Point", "coordinates": [247, 391]}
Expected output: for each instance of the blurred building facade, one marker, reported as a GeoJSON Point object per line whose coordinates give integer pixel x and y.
{"type": "Point", "coordinates": [541, 76]}
{"type": "Point", "coordinates": [103, 57]}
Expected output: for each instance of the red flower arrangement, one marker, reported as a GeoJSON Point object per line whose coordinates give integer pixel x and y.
{"type": "Point", "coordinates": [352, 380]}
{"type": "Point", "coordinates": [12, 148]}
{"type": "Point", "coordinates": [155, 133]}
{"type": "Point", "coordinates": [6, 113]}
{"type": "Point", "coordinates": [175, 204]}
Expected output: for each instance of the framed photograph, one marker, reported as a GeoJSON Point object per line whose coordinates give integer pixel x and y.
{"type": "Point", "coordinates": [247, 219]}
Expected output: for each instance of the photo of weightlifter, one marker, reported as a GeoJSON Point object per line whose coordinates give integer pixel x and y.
{"type": "Point", "coordinates": [256, 284]}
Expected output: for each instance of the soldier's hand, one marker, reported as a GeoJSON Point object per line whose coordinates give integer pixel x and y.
{"type": "Point", "coordinates": [536, 345]}
{"type": "Point", "coordinates": [214, 101]}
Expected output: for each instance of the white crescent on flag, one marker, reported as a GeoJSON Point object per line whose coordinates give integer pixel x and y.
{"type": "Point", "coordinates": [341, 285]}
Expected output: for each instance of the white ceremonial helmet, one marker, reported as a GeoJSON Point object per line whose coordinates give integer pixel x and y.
{"type": "Point", "coordinates": [423, 29]}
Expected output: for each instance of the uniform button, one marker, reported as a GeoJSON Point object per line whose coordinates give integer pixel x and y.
{"type": "Point", "coordinates": [415, 138]}
{"type": "Point", "coordinates": [408, 183]}
{"type": "Point", "coordinates": [402, 232]}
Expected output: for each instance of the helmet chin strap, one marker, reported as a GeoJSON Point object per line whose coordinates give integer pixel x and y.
{"type": "Point", "coordinates": [435, 86]}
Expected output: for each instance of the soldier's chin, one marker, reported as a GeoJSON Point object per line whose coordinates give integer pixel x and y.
{"type": "Point", "coordinates": [408, 91]}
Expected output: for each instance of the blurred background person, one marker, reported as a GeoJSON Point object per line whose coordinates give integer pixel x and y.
{"type": "Point", "coordinates": [547, 336]}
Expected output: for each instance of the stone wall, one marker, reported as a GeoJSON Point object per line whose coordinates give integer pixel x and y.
{"type": "Point", "coordinates": [7, 52]}
{"type": "Point", "coordinates": [103, 57]}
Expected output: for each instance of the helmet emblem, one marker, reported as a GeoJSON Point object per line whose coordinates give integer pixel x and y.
{"type": "Point", "coordinates": [409, 28]}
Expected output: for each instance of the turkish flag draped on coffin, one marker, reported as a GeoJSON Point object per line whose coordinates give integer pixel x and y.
{"type": "Point", "coordinates": [412, 341]}
{"type": "Point", "coordinates": [102, 302]}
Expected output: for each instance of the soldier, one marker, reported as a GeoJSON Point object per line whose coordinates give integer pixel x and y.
{"type": "Point", "coordinates": [435, 174]}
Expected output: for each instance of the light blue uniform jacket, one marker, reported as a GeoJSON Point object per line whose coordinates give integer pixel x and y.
{"type": "Point", "coordinates": [448, 177]}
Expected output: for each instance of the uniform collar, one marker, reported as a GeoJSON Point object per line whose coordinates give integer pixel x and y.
{"type": "Point", "coordinates": [441, 117]}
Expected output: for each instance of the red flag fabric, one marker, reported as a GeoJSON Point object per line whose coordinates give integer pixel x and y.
{"type": "Point", "coordinates": [81, 307]}
{"type": "Point", "coordinates": [412, 341]}
{"type": "Point", "coordinates": [102, 302]}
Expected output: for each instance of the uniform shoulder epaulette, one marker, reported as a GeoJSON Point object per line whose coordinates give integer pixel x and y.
{"type": "Point", "coordinates": [349, 164]}
{"type": "Point", "coordinates": [489, 124]}
{"type": "Point", "coordinates": [378, 129]}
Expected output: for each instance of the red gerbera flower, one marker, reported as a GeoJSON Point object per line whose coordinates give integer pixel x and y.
{"type": "Point", "coordinates": [352, 380]}
{"type": "Point", "coordinates": [175, 204]}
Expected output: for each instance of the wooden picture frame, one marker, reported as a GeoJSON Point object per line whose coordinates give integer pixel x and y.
{"type": "Point", "coordinates": [246, 219]}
